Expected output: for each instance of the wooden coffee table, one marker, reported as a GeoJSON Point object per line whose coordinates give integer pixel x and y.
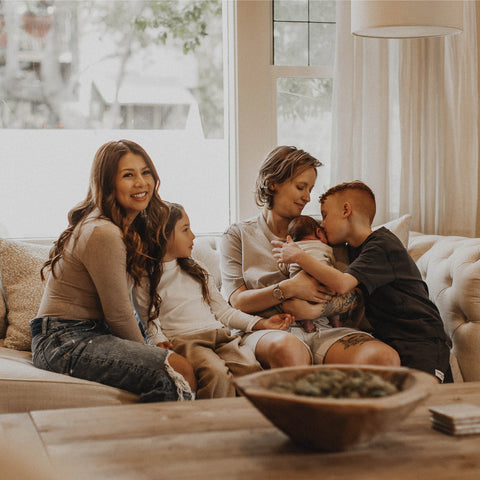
{"type": "Point", "coordinates": [230, 439]}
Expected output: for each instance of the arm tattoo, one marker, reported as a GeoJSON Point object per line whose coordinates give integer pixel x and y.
{"type": "Point", "coordinates": [341, 303]}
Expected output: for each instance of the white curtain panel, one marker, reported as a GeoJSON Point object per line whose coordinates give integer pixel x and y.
{"type": "Point", "coordinates": [405, 121]}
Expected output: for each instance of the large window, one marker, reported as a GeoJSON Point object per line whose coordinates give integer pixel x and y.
{"type": "Point", "coordinates": [77, 73]}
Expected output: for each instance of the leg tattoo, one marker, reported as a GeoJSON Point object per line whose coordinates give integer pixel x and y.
{"type": "Point", "coordinates": [355, 339]}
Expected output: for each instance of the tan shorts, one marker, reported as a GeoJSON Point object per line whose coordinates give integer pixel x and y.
{"type": "Point", "coordinates": [317, 342]}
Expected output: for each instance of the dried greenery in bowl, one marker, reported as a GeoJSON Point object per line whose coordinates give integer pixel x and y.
{"type": "Point", "coordinates": [334, 383]}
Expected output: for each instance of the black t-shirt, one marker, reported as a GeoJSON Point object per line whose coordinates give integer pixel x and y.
{"type": "Point", "coordinates": [396, 298]}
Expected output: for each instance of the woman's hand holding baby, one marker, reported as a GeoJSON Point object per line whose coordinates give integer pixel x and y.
{"type": "Point", "coordinates": [280, 321]}
{"type": "Point", "coordinates": [286, 252]}
{"type": "Point", "coordinates": [301, 308]}
{"type": "Point", "coordinates": [307, 288]}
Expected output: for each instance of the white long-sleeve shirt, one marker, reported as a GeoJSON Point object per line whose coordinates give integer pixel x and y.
{"type": "Point", "coordinates": [183, 310]}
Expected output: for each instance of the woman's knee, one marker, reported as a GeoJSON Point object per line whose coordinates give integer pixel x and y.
{"type": "Point", "coordinates": [182, 366]}
{"type": "Point", "coordinates": [282, 349]}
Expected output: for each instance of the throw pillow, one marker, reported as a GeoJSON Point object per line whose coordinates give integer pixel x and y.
{"type": "Point", "coordinates": [400, 227]}
{"type": "Point", "coordinates": [20, 265]}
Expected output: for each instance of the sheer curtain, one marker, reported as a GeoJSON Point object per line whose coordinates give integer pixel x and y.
{"type": "Point", "coordinates": [405, 117]}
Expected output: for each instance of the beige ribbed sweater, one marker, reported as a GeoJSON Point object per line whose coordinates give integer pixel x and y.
{"type": "Point", "coordinates": [91, 280]}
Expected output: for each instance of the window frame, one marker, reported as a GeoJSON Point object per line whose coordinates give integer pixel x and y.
{"type": "Point", "coordinates": [256, 94]}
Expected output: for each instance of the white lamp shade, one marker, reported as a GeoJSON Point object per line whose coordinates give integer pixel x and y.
{"type": "Point", "coordinates": [406, 18]}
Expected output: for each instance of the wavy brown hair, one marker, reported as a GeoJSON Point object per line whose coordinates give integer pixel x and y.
{"type": "Point", "coordinates": [187, 264]}
{"type": "Point", "coordinates": [281, 164]}
{"type": "Point", "coordinates": [144, 238]}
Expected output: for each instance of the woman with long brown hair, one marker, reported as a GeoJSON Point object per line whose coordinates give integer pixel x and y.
{"type": "Point", "coordinates": [86, 325]}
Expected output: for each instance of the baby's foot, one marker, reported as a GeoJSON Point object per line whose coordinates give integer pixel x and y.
{"type": "Point", "coordinates": [308, 326]}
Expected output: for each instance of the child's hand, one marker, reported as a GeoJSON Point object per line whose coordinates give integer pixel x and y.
{"type": "Point", "coordinates": [280, 321]}
{"type": "Point", "coordinates": [166, 345]}
{"type": "Point", "coordinates": [285, 252]}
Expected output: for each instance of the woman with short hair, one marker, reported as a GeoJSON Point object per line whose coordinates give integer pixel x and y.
{"type": "Point", "coordinates": [253, 282]}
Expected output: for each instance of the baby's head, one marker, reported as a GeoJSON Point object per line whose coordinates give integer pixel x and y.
{"type": "Point", "coordinates": [304, 227]}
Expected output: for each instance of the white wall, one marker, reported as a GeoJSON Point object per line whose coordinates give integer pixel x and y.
{"type": "Point", "coordinates": [256, 114]}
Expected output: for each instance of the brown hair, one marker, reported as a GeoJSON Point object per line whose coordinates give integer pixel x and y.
{"type": "Point", "coordinates": [187, 264]}
{"type": "Point", "coordinates": [281, 164]}
{"type": "Point", "coordinates": [144, 238]}
{"type": "Point", "coordinates": [368, 208]}
{"type": "Point", "coordinates": [301, 226]}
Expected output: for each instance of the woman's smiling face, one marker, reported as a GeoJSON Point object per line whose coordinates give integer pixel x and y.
{"type": "Point", "coordinates": [134, 185]}
{"type": "Point", "coordinates": [291, 196]}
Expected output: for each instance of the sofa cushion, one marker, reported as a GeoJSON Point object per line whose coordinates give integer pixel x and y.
{"type": "Point", "coordinates": [23, 387]}
{"type": "Point", "coordinates": [20, 265]}
{"type": "Point", "coordinates": [420, 243]}
{"type": "Point", "coordinates": [206, 251]}
{"type": "Point", "coordinates": [400, 227]}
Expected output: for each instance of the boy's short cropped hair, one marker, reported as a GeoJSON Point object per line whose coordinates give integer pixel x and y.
{"type": "Point", "coordinates": [357, 185]}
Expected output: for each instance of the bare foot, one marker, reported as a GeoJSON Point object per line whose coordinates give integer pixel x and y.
{"type": "Point", "coordinates": [308, 326]}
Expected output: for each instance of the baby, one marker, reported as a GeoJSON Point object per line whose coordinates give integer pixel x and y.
{"type": "Point", "coordinates": [309, 235]}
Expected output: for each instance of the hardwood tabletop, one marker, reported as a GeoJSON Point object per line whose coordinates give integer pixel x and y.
{"type": "Point", "coordinates": [229, 439]}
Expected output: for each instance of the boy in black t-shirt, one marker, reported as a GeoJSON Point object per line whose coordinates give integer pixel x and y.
{"type": "Point", "coordinates": [396, 298]}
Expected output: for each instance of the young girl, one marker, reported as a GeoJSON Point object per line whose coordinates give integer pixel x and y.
{"type": "Point", "coordinates": [194, 319]}
{"type": "Point", "coordinates": [86, 326]}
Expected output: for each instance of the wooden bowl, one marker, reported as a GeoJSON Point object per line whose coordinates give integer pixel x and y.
{"type": "Point", "coordinates": [335, 424]}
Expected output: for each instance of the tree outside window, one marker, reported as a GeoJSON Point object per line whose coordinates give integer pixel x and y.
{"type": "Point", "coordinates": [76, 73]}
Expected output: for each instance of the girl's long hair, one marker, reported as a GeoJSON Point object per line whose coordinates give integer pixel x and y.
{"type": "Point", "coordinates": [144, 238]}
{"type": "Point", "coordinates": [187, 264]}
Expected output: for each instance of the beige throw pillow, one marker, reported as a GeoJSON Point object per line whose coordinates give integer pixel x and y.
{"type": "Point", "coordinates": [20, 265]}
{"type": "Point", "coordinates": [400, 227]}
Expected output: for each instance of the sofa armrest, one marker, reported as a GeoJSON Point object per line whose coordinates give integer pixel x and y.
{"type": "Point", "coordinates": [451, 268]}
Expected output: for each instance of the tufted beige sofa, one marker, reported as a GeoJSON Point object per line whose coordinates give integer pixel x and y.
{"type": "Point", "coordinates": [450, 266]}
